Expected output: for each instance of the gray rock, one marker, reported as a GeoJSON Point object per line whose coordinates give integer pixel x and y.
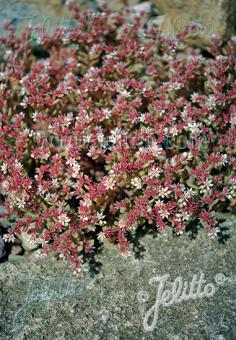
{"type": "Point", "coordinates": [2, 248]}
{"type": "Point", "coordinates": [145, 6]}
{"type": "Point", "coordinates": [48, 13]}
{"type": "Point", "coordinates": [41, 300]}
{"type": "Point", "coordinates": [17, 258]}
{"type": "Point", "coordinates": [213, 17]}
{"type": "Point", "coordinates": [144, 9]}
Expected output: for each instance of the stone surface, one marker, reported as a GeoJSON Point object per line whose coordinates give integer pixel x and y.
{"type": "Point", "coordinates": [144, 7]}
{"type": "Point", "coordinates": [41, 300]}
{"type": "Point", "coordinates": [2, 248]}
{"type": "Point", "coordinates": [213, 16]}
{"type": "Point", "coordinates": [48, 13]}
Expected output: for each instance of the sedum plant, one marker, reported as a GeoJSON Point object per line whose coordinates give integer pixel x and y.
{"type": "Point", "coordinates": [107, 126]}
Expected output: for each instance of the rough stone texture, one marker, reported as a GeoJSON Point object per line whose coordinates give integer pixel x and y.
{"type": "Point", "coordinates": [214, 16]}
{"type": "Point", "coordinates": [48, 13]}
{"type": "Point", "coordinates": [2, 248]}
{"type": "Point", "coordinates": [113, 303]}
{"type": "Point", "coordinates": [51, 13]}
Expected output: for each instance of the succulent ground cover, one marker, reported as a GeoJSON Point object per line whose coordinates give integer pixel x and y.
{"type": "Point", "coordinates": [107, 126]}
